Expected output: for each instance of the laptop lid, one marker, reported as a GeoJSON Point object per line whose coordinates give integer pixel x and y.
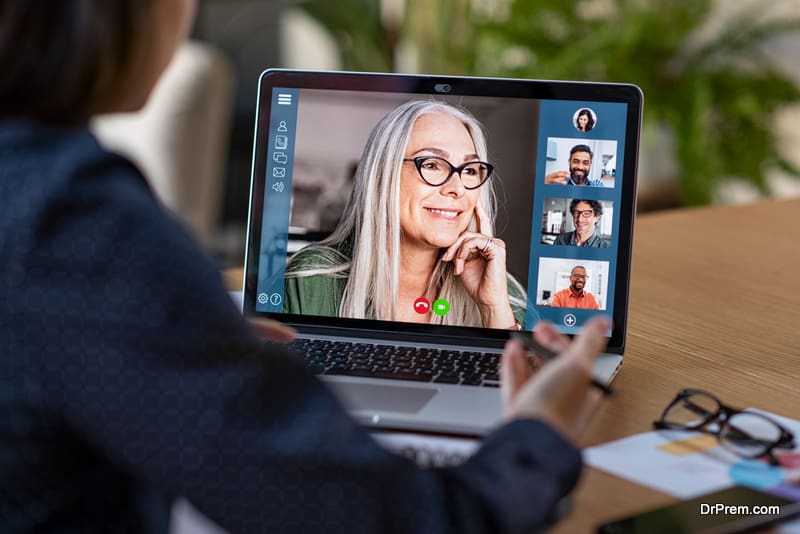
{"type": "Point", "coordinates": [563, 159]}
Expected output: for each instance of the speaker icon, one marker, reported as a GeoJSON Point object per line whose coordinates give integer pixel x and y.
{"type": "Point", "coordinates": [278, 187]}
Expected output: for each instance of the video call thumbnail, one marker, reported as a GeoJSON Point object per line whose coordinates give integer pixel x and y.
{"type": "Point", "coordinates": [581, 162]}
{"type": "Point", "coordinates": [572, 283]}
{"type": "Point", "coordinates": [577, 222]}
{"type": "Point", "coordinates": [584, 119]}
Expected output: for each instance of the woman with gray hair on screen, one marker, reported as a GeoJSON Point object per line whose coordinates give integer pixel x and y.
{"type": "Point", "coordinates": [419, 223]}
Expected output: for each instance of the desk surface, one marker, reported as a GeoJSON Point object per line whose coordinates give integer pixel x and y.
{"type": "Point", "coordinates": [713, 305]}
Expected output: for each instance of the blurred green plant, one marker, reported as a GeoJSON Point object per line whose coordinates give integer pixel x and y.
{"type": "Point", "coordinates": [705, 77]}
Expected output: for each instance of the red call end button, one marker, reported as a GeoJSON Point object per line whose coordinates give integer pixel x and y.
{"type": "Point", "coordinates": [422, 305]}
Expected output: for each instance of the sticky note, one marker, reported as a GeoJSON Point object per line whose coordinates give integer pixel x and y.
{"type": "Point", "coordinates": [690, 446]}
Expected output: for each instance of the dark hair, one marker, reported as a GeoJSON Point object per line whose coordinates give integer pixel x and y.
{"type": "Point", "coordinates": [62, 59]}
{"type": "Point", "coordinates": [581, 148]}
{"type": "Point", "coordinates": [588, 113]}
{"type": "Point", "coordinates": [596, 206]}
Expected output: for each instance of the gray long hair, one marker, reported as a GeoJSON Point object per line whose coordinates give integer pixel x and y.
{"type": "Point", "coordinates": [370, 226]}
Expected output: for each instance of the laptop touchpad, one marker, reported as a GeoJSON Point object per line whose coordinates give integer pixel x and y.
{"type": "Point", "coordinates": [382, 397]}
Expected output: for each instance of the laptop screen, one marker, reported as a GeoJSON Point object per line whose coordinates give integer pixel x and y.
{"type": "Point", "coordinates": [450, 206]}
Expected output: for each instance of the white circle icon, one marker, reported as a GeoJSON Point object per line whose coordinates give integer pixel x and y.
{"type": "Point", "coordinates": [275, 299]}
{"type": "Point", "coordinates": [570, 319]}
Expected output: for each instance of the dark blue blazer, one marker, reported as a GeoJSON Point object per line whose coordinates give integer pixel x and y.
{"type": "Point", "coordinates": [128, 377]}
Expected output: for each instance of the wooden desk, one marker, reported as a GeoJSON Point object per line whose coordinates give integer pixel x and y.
{"type": "Point", "coordinates": [714, 305]}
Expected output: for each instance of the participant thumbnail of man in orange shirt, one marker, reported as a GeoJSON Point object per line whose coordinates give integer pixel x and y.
{"type": "Point", "coordinates": [574, 296]}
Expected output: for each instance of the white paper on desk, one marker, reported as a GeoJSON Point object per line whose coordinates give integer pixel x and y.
{"type": "Point", "coordinates": [638, 459]}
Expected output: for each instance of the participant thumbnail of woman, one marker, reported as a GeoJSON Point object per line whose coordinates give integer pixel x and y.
{"type": "Point", "coordinates": [572, 283]}
{"type": "Point", "coordinates": [584, 119]}
{"type": "Point", "coordinates": [419, 223]}
{"type": "Point", "coordinates": [582, 227]}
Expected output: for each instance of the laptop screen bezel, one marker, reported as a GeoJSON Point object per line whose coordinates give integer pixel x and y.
{"type": "Point", "coordinates": [433, 85]}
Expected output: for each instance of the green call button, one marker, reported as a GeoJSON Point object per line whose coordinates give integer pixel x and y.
{"type": "Point", "coordinates": [441, 307]}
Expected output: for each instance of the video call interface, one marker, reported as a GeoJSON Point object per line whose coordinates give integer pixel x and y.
{"type": "Point", "coordinates": [556, 171]}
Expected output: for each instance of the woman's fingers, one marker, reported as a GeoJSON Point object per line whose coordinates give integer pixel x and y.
{"type": "Point", "coordinates": [477, 242]}
{"type": "Point", "coordinates": [549, 337]}
{"type": "Point", "coordinates": [274, 330]}
{"type": "Point", "coordinates": [470, 246]}
{"type": "Point", "coordinates": [452, 250]}
{"type": "Point", "coordinates": [591, 341]}
{"type": "Point", "coordinates": [482, 219]}
{"type": "Point", "coordinates": [515, 371]}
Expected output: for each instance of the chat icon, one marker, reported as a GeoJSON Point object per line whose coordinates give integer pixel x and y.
{"type": "Point", "coordinates": [280, 157]}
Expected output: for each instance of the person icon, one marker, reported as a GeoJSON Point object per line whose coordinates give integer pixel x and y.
{"type": "Point", "coordinates": [584, 119]}
{"type": "Point", "coordinates": [282, 127]}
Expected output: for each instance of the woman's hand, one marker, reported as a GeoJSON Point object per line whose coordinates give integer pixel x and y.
{"type": "Point", "coordinates": [480, 261]}
{"type": "Point", "coordinates": [273, 330]}
{"type": "Point", "coordinates": [559, 393]}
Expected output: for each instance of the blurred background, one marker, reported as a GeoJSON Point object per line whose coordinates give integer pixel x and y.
{"type": "Point", "coordinates": [720, 79]}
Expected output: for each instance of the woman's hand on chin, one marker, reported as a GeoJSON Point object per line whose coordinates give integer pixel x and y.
{"type": "Point", "coordinates": [479, 260]}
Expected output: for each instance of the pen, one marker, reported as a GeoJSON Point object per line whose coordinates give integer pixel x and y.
{"type": "Point", "coordinates": [531, 345]}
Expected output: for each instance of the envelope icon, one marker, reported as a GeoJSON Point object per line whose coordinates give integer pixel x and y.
{"type": "Point", "coordinates": [279, 172]}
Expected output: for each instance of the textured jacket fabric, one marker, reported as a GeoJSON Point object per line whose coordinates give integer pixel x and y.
{"type": "Point", "coordinates": [128, 378]}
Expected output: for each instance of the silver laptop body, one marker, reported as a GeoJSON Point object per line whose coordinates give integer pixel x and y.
{"type": "Point", "coordinates": [311, 130]}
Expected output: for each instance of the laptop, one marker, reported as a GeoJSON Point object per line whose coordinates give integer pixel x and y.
{"type": "Point", "coordinates": [362, 184]}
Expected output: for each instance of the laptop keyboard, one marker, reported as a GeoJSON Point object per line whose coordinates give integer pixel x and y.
{"type": "Point", "coordinates": [428, 450]}
{"type": "Point", "coordinates": [396, 362]}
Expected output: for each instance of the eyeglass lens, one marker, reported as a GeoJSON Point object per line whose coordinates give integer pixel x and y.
{"type": "Point", "coordinates": [436, 171]}
{"type": "Point", "coordinates": [692, 410]}
{"type": "Point", "coordinates": [749, 434]}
